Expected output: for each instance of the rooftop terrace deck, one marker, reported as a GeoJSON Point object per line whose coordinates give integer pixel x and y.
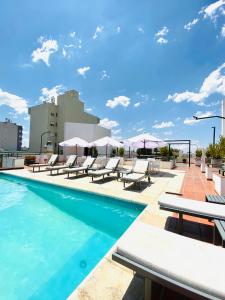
{"type": "Point", "coordinates": [110, 280]}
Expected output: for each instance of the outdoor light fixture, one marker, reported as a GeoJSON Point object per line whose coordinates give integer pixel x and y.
{"type": "Point", "coordinates": [210, 117]}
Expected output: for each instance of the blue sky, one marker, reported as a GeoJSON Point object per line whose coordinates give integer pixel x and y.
{"type": "Point", "coordinates": [141, 66]}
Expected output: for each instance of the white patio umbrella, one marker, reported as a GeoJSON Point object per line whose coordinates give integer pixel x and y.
{"type": "Point", "coordinates": [145, 140]}
{"type": "Point", "coordinates": [75, 141]}
{"type": "Point", "coordinates": [106, 141]}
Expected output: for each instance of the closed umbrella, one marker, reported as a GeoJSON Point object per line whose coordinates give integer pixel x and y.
{"type": "Point", "coordinates": [75, 141]}
{"type": "Point", "coordinates": [107, 141]}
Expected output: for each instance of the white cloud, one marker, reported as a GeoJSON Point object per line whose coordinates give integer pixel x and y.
{"type": "Point", "coordinates": [213, 10]}
{"type": "Point", "coordinates": [164, 125]}
{"type": "Point", "coordinates": [108, 123]}
{"type": "Point", "coordinates": [48, 94]}
{"type": "Point", "coordinates": [82, 71]}
{"type": "Point", "coordinates": [104, 75]}
{"type": "Point", "coordinates": [137, 104]}
{"type": "Point", "coordinates": [89, 109]}
{"type": "Point", "coordinates": [98, 30]}
{"type": "Point", "coordinates": [72, 34]}
{"type": "Point", "coordinates": [19, 104]}
{"type": "Point", "coordinates": [139, 129]}
{"type": "Point", "coordinates": [223, 31]}
{"type": "Point", "coordinates": [213, 83]}
{"type": "Point", "coordinates": [116, 131]}
{"type": "Point", "coordinates": [43, 53]}
{"type": "Point", "coordinates": [162, 41]}
{"type": "Point", "coordinates": [163, 31]}
{"type": "Point", "coordinates": [161, 35]}
{"type": "Point", "coordinates": [118, 29]}
{"type": "Point", "coordinates": [64, 53]}
{"type": "Point", "coordinates": [141, 30]}
{"type": "Point", "coordinates": [192, 121]}
{"type": "Point", "coordinates": [189, 25]}
{"type": "Point", "coordinates": [120, 100]}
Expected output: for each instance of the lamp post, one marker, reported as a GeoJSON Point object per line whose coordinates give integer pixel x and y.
{"type": "Point", "coordinates": [214, 134]}
{"type": "Point", "coordinates": [214, 128]}
{"type": "Point", "coordinates": [43, 133]}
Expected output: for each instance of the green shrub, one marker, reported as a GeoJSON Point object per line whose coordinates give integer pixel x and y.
{"type": "Point", "coordinates": [198, 153]}
{"type": "Point", "coordinates": [164, 151]}
{"type": "Point", "coordinates": [214, 151]}
{"type": "Point", "coordinates": [121, 152]}
{"type": "Point", "coordinates": [29, 160]}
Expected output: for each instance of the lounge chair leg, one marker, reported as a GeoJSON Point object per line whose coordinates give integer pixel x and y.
{"type": "Point", "coordinates": [124, 185]}
{"type": "Point", "coordinates": [180, 223]}
{"type": "Point", "coordinates": [92, 178]}
{"type": "Point", "coordinates": [148, 289]}
{"type": "Point", "coordinates": [103, 178]}
{"type": "Point", "coordinates": [68, 175]}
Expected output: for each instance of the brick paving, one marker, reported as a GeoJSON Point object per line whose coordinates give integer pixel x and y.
{"type": "Point", "coordinates": [195, 186]}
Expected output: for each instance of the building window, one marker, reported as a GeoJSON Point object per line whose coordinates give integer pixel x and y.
{"type": "Point", "coordinates": [52, 124]}
{"type": "Point", "coordinates": [52, 114]}
{"type": "Point", "coordinates": [56, 134]}
{"type": "Point", "coordinates": [56, 115]}
{"type": "Point", "coordinates": [56, 124]}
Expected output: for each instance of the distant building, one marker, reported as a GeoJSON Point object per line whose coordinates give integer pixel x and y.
{"type": "Point", "coordinates": [11, 136]}
{"type": "Point", "coordinates": [223, 120]}
{"type": "Point", "coordinates": [62, 119]}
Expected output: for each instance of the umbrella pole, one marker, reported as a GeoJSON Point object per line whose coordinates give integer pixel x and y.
{"type": "Point", "coordinates": [76, 149]}
{"type": "Point", "coordinates": [106, 150]}
{"type": "Point", "coordinates": [129, 152]}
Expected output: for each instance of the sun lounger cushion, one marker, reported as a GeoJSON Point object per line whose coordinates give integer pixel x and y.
{"type": "Point", "coordinates": [69, 163]}
{"type": "Point", "coordinates": [100, 172]}
{"type": "Point", "coordinates": [112, 163]}
{"type": "Point", "coordinates": [53, 159]}
{"type": "Point", "coordinates": [216, 211]}
{"type": "Point", "coordinates": [141, 166]}
{"type": "Point", "coordinates": [191, 262]}
{"type": "Point", "coordinates": [74, 170]}
{"type": "Point", "coordinates": [88, 162]}
{"type": "Point", "coordinates": [133, 177]}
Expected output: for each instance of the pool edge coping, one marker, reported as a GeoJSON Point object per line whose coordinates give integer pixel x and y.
{"type": "Point", "coordinates": [96, 193]}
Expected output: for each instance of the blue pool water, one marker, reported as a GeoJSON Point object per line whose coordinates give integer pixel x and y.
{"type": "Point", "coordinates": [52, 237]}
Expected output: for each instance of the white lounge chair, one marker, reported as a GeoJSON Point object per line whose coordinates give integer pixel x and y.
{"type": "Point", "coordinates": [52, 161]}
{"type": "Point", "coordinates": [195, 208]}
{"type": "Point", "coordinates": [110, 167]}
{"type": "Point", "coordinates": [69, 163]}
{"type": "Point", "coordinates": [139, 172]}
{"type": "Point", "coordinates": [87, 164]}
{"type": "Point", "coordinates": [193, 268]}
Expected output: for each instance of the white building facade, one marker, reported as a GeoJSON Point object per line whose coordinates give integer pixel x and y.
{"type": "Point", "coordinates": [88, 132]}
{"type": "Point", "coordinates": [61, 119]}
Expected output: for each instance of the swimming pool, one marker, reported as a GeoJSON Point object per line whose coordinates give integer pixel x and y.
{"type": "Point", "coordinates": [52, 237]}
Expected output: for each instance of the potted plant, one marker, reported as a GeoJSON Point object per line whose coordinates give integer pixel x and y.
{"type": "Point", "coordinates": [164, 151]}
{"type": "Point", "coordinates": [121, 152]}
{"type": "Point", "coordinates": [215, 154]}
{"type": "Point", "coordinates": [198, 155]}
{"type": "Point", "coordinates": [29, 160]}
